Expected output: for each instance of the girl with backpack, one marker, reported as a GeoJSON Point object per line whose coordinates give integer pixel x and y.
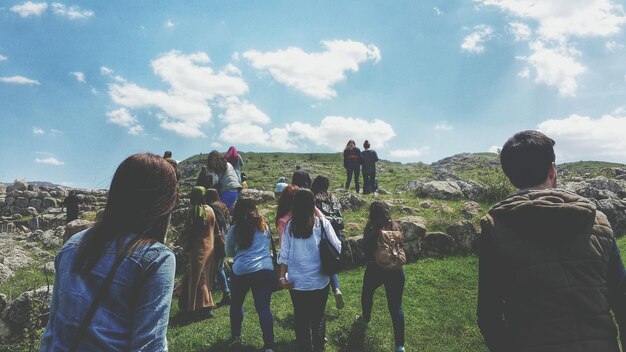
{"type": "Point", "coordinates": [383, 268]}
{"type": "Point", "coordinates": [300, 260]}
{"type": "Point", "coordinates": [329, 206]}
{"type": "Point", "coordinates": [224, 178]}
{"type": "Point", "coordinates": [248, 242]}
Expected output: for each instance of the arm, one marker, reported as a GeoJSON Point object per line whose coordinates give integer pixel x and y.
{"type": "Point", "coordinates": [616, 279]}
{"type": "Point", "coordinates": [230, 242]}
{"type": "Point", "coordinates": [152, 307]}
{"type": "Point", "coordinates": [330, 233]}
{"type": "Point", "coordinates": [375, 156]}
{"type": "Point", "coordinates": [285, 247]}
{"type": "Point", "coordinates": [490, 297]}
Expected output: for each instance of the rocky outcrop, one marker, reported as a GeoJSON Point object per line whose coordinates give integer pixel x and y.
{"type": "Point", "coordinates": [75, 227]}
{"type": "Point", "coordinates": [447, 189]}
{"type": "Point", "coordinates": [350, 201]}
{"type": "Point", "coordinates": [28, 309]}
{"type": "Point", "coordinates": [258, 196]}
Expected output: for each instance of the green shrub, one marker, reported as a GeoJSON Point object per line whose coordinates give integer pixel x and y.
{"type": "Point", "coordinates": [497, 185]}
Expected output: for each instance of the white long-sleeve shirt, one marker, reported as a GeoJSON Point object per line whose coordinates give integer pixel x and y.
{"type": "Point", "coordinates": [302, 256]}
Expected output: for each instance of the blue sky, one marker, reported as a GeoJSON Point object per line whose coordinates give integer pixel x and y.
{"type": "Point", "coordinates": [84, 84]}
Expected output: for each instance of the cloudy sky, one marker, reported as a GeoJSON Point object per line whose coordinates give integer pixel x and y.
{"type": "Point", "coordinates": [84, 84]}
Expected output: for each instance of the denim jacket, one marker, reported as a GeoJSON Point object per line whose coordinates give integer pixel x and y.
{"type": "Point", "coordinates": [132, 316]}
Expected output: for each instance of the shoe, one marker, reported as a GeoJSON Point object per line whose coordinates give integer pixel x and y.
{"type": "Point", "coordinates": [235, 341]}
{"type": "Point", "coordinates": [400, 349]}
{"type": "Point", "coordinates": [359, 319]}
{"type": "Point", "coordinates": [339, 303]}
{"type": "Point", "coordinates": [225, 301]}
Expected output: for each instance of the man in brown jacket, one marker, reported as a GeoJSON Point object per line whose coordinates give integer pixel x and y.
{"type": "Point", "coordinates": [550, 272]}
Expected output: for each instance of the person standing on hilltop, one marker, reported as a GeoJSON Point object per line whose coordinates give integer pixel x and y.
{"type": "Point", "coordinates": [168, 156]}
{"type": "Point", "coordinates": [369, 168]}
{"type": "Point", "coordinates": [71, 203]}
{"type": "Point", "coordinates": [352, 161]}
{"type": "Point", "coordinates": [550, 275]}
{"type": "Point", "coordinates": [301, 178]}
{"type": "Point", "coordinates": [224, 178]}
{"type": "Point", "coordinates": [235, 160]}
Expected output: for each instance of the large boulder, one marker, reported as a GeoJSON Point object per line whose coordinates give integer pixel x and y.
{"type": "Point", "coordinates": [437, 245]}
{"type": "Point", "coordinates": [3, 189]}
{"type": "Point", "coordinates": [31, 194]}
{"type": "Point", "coordinates": [29, 305]}
{"type": "Point", "coordinates": [14, 257]}
{"type": "Point", "coordinates": [19, 185]}
{"type": "Point", "coordinates": [353, 253]}
{"type": "Point", "coordinates": [21, 202]}
{"type": "Point", "coordinates": [9, 201]}
{"type": "Point", "coordinates": [351, 201]}
{"type": "Point", "coordinates": [439, 190]}
{"type": "Point", "coordinates": [615, 211]}
{"type": "Point", "coordinates": [465, 235]}
{"type": "Point", "coordinates": [49, 202]}
{"type": "Point", "coordinates": [76, 226]}
{"type": "Point", "coordinates": [50, 240]}
{"type": "Point", "coordinates": [5, 274]}
{"type": "Point", "coordinates": [257, 196]}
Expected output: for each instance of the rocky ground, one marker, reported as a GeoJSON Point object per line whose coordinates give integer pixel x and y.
{"type": "Point", "coordinates": [458, 189]}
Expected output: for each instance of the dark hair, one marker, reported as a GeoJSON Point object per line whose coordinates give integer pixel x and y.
{"type": "Point", "coordinates": [285, 202]}
{"type": "Point", "coordinates": [366, 144]}
{"type": "Point", "coordinates": [167, 154]}
{"type": "Point", "coordinates": [211, 196]}
{"type": "Point", "coordinates": [298, 167]}
{"type": "Point", "coordinates": [320, 184]}
{"type": "Point", "coordinates": [526, 158]}
{"type": "Point", "coordinates": [350, 144]}
{"type": "Point", "coordinates": [303, 214]}
{"type": "Point", "coordinates": [247, 220]}
{"type": "Point", "coordinates": [380, 215]}
{"type": "Point", "coordinates": [216, 162]}
{"type": "Point", "coordinates": [141, 198]}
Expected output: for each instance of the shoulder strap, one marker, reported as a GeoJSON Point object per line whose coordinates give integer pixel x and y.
{"type": "Point", "coordinates": [96, 302]}
{"type": "Point", "coordinates": [323, 229]}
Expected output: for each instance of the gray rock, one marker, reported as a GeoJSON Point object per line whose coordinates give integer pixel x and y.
{"type": "Point", "coordinates": [257, 196]}
{"type": "Point", "coordinates": [427, 204]}
{"type": "Point", "coordinates": [5, 330]}
{"type": "Point", "coordinates": [43, 194]}
{"type": "Point", "coordinates": [29, 305]}
{"type": "Point", "coordinates": [437, 244]}
{"type": "Point", "coordinates": [465, 234]}
{"type": "Point", "coordinates": [351, 201]}
{"type": "Point", "coordinates": [15, 258]}
{"type": "Point", "coordinates": [35, 203]}
{"type": "Point", "coordinates": [2, 202]}
{"type": "Point", "coordinates": [439, 190]}
{"type": "Point", "coordinates": [470, 210]}
{"type": "Point", "coordinates": [21, 202]}
{"type": "Point", "coordinates": [50, 240]}
{"type": "Point", "coordinates": [49, 202]}
{"type": "Point", "coordinates": [19, 185]}
{"type": "Point", "coordinates": [31, 194]}
{"type": "Point", "coordinates": [9, 201]}
{"type": "Point", "coordinates": [48, 268]}
{"type": "Point", "coordinates": [32, 211]}
{"type": "Point", "coordinates": [615, 211]}
{"type": "Point", "coordinates": [4, 301]}
{"type": "Point", "coordinates": [75, 227]}
{"type": "Point", "coordinates": [33, 188]}
{"type": "Point", "coordinates": [3, 189]}
{"type": "Point", "coordinates": [5, 274]}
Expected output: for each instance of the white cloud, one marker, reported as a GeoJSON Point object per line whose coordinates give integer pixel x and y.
{"type": "Point", "coordinates": [53, 131]}
{"type": "Point", "coordinates": [520, 30]}
{"type": "Point", "coordinates": [250, 134]}
{"type": "Point", "coordinates": [49, 161]}
{"type": "Point", "coordinates": [80, 77]}
{"type": "Point", "coordinates": [560, 19]}
{"type": "Point", "coordinates": [556, 67]}
{"type": "Point", "coordinates": [314, 74]}
{"type": "Point", "coordinates": [169, 24]}
{"type": "Point", "coordinates": [122, 117]}
{"type": "Point", "coordinates": [237, 111]}
{"type": "Point", "coordinates": [3, 58]}
{"type": "Point", "coordinates": [71, 12]}
{"type": "Point", "coordinates": [582, 137]}
{"type": "Point", "coordinates": [193, 84]}
{"type": "Point", "coordinates": [409, 153]}
{"type": "Point", "coordinates": [494, 149]}
{"type": "Point", "coordinates": [19, 80]}
{"type": "Point", "coordinates": [525, 73]}
{"type": "Point", "coordinates": [38, 131]}
{"type": "Point", "coordinates": [335, 131]}
{"type": "Point", "coordinates": [443, 126]}
{"type": "Point", "coordinates": [474, 42]}
{"type": "Point", "coordinates": [613, 45]}
{"type": "Point", "coordinates": [29, 8]}
{"type": "Point", "coordinates": [105, 71]}
{"type": "Point", "coordinates": [438, 12]}
{"type": "Point", "coordinates": [135, 130]}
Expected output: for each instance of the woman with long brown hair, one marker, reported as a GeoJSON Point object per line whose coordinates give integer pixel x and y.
{"type": "Point", "coordinates": [224, 178]}
{"type": "Point", "coordinates": [197, 240]}
{"type": "Point", "coordinates": [352, 161]}
{"type": "Point", "coordinates": [248, 242]}
{"type": "Point", "coordinates": [113, 282]}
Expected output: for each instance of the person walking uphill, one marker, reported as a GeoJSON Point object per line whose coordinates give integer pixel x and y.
{"type": "Point", "coordinates": [375, 275]}
{"type": "Point", "coordinates": [71, 203]}
{"type": "Point", "coordinates": [198, 242]}
{"type": "Point", "coordinates": [113, 282]}
{"type": "Point", "coordinates": [224, 178]}
{"type": "Point", "coordinates": [369, 168]}
{"type": "Point", "coordinates": [236, 161]}
{"type": "Point", "coordinates": [352, 163]}
{"type": "Point", "coordinates": [550, 272]}
{"type": "Point", "coordinates": [301, 269]}
{"type": "Point", "coordinates": [248, 242]}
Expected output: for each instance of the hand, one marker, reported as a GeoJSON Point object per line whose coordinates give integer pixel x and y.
{"type": "Point", "coordinates": [285, 284]}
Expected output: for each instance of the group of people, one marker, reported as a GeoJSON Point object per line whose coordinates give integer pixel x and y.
{"type": "Point", "coordinates": [550, 273]}
{"type": "Point", "coordinates": [354, 159]}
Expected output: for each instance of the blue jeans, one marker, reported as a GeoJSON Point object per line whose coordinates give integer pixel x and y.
{"type": "Point", "coordinates": [369, 182]}
{"type": "Point", "coordinates": [350, 170]}
{"type": "Point", "coordinates": [262, 283]}
{"type": "Point", "coordinates": [334, 282]}
{"type": "Point", "coordinates": [394, 285]}
{"type": "Point", "coordinates": [221, 277]}
{"type": "Point", "coordinates": [308, 313]}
